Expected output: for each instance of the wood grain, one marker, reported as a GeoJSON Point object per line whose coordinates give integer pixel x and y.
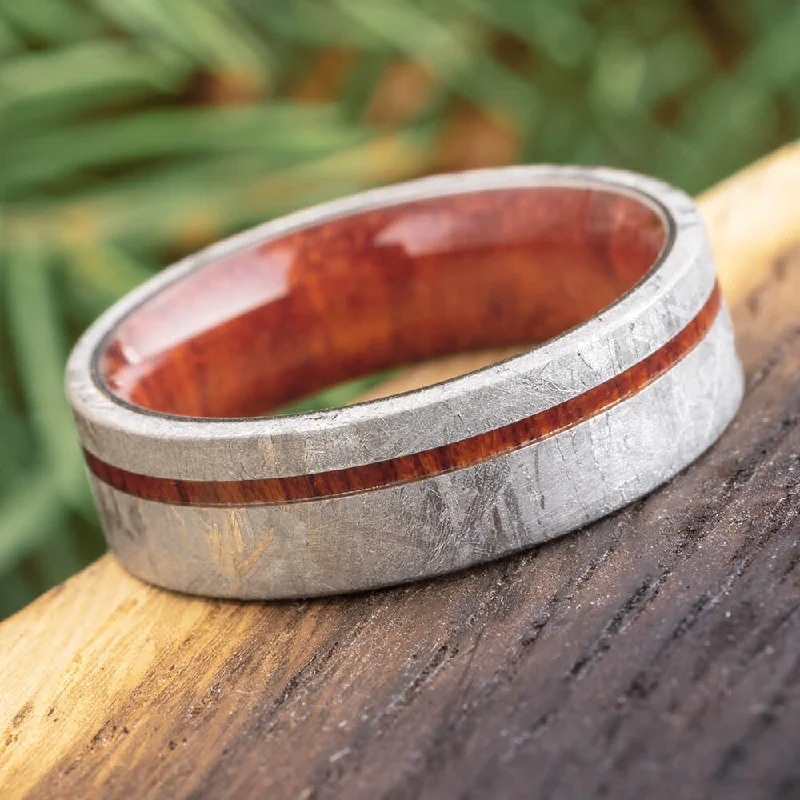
{"type": "Point", "coordinates": [395, 285]}
{"type": "Point", "coordinates": [656, 653]}
{"type": "Point", "coordinates": [435, 461]}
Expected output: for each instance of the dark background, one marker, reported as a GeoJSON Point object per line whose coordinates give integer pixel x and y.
{"type": "Point", "coordinates": [135, 131]}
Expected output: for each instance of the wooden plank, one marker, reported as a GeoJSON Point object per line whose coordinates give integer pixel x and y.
{"type": "Point", "coordinates": [657, 652]}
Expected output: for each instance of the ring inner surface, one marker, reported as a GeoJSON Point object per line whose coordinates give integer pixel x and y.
{"type": "Point", "coordinates": [381, 288]}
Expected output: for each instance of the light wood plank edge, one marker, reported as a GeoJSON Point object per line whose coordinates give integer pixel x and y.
{"type": "Point", "coordinates": [751, 216]}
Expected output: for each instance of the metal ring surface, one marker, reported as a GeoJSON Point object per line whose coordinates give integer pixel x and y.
{"type": "Point", "coordinates": [433, 480]}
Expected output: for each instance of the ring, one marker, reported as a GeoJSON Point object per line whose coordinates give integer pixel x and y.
{"type": "Point", "coordinates": [630, 374]}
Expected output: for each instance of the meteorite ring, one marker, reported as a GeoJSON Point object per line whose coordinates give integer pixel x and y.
{"type": "Point", "coordinates": [630, 373]}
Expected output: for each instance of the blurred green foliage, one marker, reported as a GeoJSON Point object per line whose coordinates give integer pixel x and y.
{"type": "Point", "coordinates": [134, 131]}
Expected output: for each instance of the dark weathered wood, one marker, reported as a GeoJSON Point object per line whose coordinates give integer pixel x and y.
{"type": "Point", "coordinates": [655, 654]}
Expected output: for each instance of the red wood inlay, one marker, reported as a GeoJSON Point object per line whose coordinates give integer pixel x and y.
{"type": "Point", "coordinates": [377, 289]}
{"type": "Point", "coordinates": [476, 449]}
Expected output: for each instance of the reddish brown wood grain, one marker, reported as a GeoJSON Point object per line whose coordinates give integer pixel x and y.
{"type": "Point", "coordinates": [377, 289]}
{"type": "Point", "coordinates": [429, 462]}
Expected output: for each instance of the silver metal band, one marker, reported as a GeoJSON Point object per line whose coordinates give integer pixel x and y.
{"type": "Point", "coordinates": [444, 522]}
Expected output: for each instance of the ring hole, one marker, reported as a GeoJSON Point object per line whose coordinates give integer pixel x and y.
{"type": "Point", "coordinates": [391, 286]}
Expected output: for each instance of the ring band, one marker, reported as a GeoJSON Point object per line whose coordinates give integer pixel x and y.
{"type": "Point", "coordinates": [634, 376]}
